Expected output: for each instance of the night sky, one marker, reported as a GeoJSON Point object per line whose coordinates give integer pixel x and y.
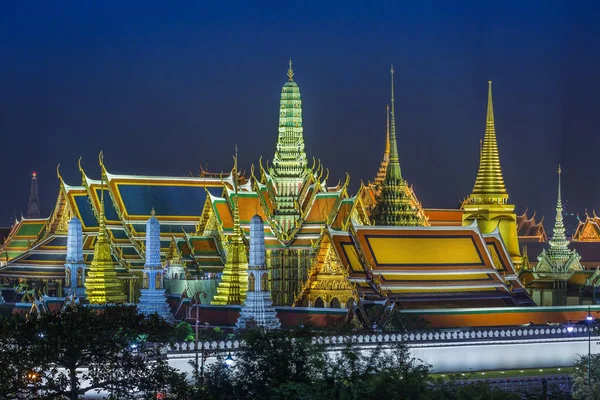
{"type": "Point", "coordinates": [163, 88]}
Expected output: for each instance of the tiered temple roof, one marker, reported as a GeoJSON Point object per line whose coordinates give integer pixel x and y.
{"type": "Point", "coordinates": [319, 242]}
{"type": "Point", "coordinates": [395, 201]}
{"type": "Point", "coordinates": [529, 230]}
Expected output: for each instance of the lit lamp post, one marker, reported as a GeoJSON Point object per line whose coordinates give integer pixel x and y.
{"type": "Point", "coordinates": [229, 362]}
{"type": "Point", "coordinates": [589, 323]}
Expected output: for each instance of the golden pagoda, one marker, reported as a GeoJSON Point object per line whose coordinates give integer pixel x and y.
{"type": "Point", "coordinates": [488, 203]}
{"type": "Point", "coordinates": [396, 203]}
{"type": "Point", "coordinates": [234, 281]}
{"type": "Point", "coordinates": [101, 284]}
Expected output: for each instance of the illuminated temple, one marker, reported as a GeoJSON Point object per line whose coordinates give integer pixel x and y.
{"type": "Point", "coordinates": [324, 247]}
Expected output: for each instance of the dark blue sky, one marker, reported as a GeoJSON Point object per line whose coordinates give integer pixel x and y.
{"type": "Point", "coordinates": [163, 88]}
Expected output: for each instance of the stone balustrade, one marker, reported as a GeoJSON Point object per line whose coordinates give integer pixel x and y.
{"type": "Point", "coordinates": [423, 337]}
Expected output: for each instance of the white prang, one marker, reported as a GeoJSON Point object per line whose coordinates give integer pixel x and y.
{"type": "Point", "coordinates": [258, 311]}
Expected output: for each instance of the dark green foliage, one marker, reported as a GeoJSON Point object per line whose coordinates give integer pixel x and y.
{"type": "Point", "coordinates": [183, 332]}
{"type": "Point", "coordinates": [581, 389]}
{"type": "Point", "coordinates": [64, 355]}
{"type": "Point", "coordinates": [290, 365]}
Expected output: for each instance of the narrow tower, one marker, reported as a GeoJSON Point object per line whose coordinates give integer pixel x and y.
{"type": "Point", "coordinates": [234, 280]}
{"type": "Point", "coordinates": [289, 170]}
{"type": "Point", "coordinates": [102, 285]}
{"type": "Point", "coordinates": [396, 204]}
{"type": "Point", "coordinates": [33, 207]}
{"type": "Point", "coordinates": [153, 299]}
{"type": "Point", "coordinates": [558, 258]}
{"type": "Point", "coordinates": [74, 263]}
{"type": "Point", "coordinates": [488, 203]}
{"type": "Point", "coordinates": [556, 265]}
{"type": "Point", "coordinates": [258, 310]}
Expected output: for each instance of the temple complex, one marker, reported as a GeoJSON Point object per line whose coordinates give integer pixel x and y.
{"type": "Point", "coordinates": [323, 247]}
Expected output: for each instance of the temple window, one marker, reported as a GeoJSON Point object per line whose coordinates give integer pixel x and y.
{"type": "Point", "coordinates": [251, 282]}
{"type": "Point", "coordinates": [264, 282]}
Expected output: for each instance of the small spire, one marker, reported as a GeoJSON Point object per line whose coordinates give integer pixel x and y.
{"type": "Point", "coordinates": [290, 72]}
{"type": "Point", "coordinates": [559, 172]}
{"type": "Point", "coordinates": [101, 218]}
{"type": "Point", "coordinates": [393, 170]}
{"type": "Point", "coordinates": [152, 212]}
{"type": "Point", "coordinates": [490, 107]}
{"type": "Point", "coordinates": [559, 240]}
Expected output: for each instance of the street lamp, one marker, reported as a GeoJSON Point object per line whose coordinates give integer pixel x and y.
{"type": "Point", "coordinates": [229, 360]}
{"type": "Point", "coordinates": [588, 320]}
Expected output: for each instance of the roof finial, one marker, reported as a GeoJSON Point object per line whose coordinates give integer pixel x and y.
{"type": "Point", "coordinates": [152, 212]}
{"type": "Point", "coordinates": [559, 197]}
{"type": "Point", "coordinates": [394, 164]}
{"type": "Point", "coordinates": [490, 106]}
{"type": "Point", "coordinates": [290, 72]}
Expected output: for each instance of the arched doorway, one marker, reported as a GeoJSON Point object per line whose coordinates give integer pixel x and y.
{"type": "Point", "coordinates": [319, 303]}
{"type": "Point", "coordinates": [335, 303]}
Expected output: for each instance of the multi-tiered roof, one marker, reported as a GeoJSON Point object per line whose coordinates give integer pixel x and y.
{"type": "Point", "coordinates": [395, 201]}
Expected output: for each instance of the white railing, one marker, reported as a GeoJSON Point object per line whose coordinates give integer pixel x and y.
{"type": "Point", "coordinates": [421, 337]}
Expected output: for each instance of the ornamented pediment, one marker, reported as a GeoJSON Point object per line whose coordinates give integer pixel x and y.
{"type": "Point", "coordinates": [589, 233]}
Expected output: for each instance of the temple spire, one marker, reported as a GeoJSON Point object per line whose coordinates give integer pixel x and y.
{"type": "Point", "coordinates": [396, 203]}
{"type": "Point", "coordinates": [234, 280]}
{"type": "Point", "coordinates": [289, 168]}
{"type": "Point", "coordinates": [489, 186]}
{"type": "Point", "coordinates": [558, 263]}
{"type": "Point", "coordinates": [393, 170]}
{"type": "Point", "coordinates": [153, 298]}
{"type": "Point", "coordinates": [290, 72]}
{"type": "Point", "coordinates": [559, 240]}
{"type": "Point", "coordinates": [33, 207]}
{"type": "Point", "coordinates": [102, 285]}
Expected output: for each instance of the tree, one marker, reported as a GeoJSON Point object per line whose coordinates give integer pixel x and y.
{"type": "Point", "coordinates": [271, 362]}
{"type": "Point", "coordinates": [84, 349]}
{"type": "Point", "coordinates": [581, 389]}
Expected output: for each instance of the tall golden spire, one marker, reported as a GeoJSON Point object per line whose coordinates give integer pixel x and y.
{"type": "Point", "coordinates": [234, 281]}
{"type": "Point", "coordinates": [290, 72]}
{"type": "Point", "coordinates": [489, 185]}
{"type": "Point", "coordinates": [102, 285]}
